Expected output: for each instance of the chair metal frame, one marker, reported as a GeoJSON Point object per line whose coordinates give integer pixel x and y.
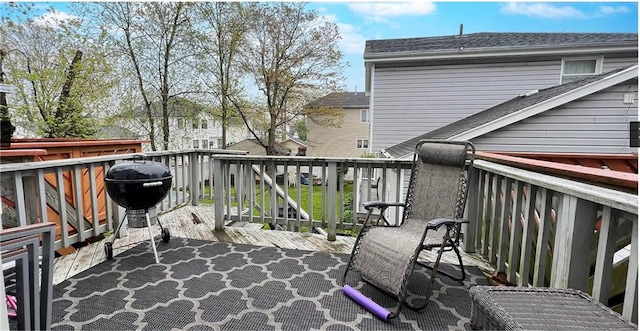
{"type": "Point", "coordinates": [450, 240]}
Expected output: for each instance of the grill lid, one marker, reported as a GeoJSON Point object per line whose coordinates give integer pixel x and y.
{"type": "Point", "coordinates": [138, 171]}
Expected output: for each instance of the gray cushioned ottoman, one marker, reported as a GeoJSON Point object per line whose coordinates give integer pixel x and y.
{"type": "Point", "coordinates": [533, 308]}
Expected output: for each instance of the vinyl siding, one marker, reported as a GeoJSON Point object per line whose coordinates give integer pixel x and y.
{"type": "Point", "coordinates": [598, 123]}
{"type": "Point", "coordinates": [338, 141]}
{"type": "Point", "coordinates": [412, 100]}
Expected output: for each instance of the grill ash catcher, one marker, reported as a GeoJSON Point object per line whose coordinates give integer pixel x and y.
{"type": "Point", "coordinates": [138, 186]}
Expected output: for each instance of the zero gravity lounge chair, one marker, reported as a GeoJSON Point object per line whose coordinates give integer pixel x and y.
{"type": "Point", "coordinates": [385, 255]}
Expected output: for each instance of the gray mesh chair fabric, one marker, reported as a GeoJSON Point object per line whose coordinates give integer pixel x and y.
{"type": "Point", "coordinates": [534, 308]}
{"type": "Point", "coordinates": [385, 255]}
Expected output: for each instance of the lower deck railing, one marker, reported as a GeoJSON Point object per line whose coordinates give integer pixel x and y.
{"type": "Point", "coordinates": [543, 230]}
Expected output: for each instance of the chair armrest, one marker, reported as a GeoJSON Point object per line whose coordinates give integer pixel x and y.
{"type": "Point", "coordinates": [381, 204]}
{"type": "Point", "coordinates": [438, 222]}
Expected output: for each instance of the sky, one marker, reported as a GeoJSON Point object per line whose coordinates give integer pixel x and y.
{"type": "Point", "coordinates": [361, 21]}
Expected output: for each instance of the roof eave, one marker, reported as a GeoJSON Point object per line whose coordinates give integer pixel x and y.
{"type": "Point", "coordinates": [468, 53]}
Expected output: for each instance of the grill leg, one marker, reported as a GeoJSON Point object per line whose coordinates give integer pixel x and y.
{"type": "Point", "coordinates": [153, 242]}
{"type": "Point", "coordinates": [115, 234]}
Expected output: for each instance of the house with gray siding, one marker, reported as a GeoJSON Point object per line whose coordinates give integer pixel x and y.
{"type": "Point", "coordinates": [417, 85]}
{"type": "Point", "coordinates": [590, 116]}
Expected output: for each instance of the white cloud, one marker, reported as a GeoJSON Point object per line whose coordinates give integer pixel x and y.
{"type": "Point", "coordinates": [53, 18]}
{"type": "Point", "coordinates": [378, 10]}
{"type": "Point", "coordinates": [607, 10]}
{"type": "Point", "coordinates": [542, 10]}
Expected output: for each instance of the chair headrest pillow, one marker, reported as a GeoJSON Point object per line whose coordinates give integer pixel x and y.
{"type": "Point", "coordinates": [443, 153]}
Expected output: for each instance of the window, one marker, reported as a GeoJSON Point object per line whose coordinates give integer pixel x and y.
{"type": "Point", "coordinates": [196, 143]}
{"type": "Point", "coordinates": [578, 68]}
{"type": "Point", "coordinates": [364, 115]}
{"type": "Point", "coordinates": [204, 124]}
{"type": "Point", "coordinates": [362, 143]}
{"type": "Point", "coordinates": [195, 124]}
{"type": "Point", "coordinates": [180, 123]}
{"type": "Point", "coordinates": [219, 143]}
{"type": "Point", "coordinates": [205, 143]}
{"type": "Point", "coordinates": [212, 144]}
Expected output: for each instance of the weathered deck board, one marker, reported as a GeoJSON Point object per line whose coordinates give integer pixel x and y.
{"type": "Point", "coordinates": [181, 225]}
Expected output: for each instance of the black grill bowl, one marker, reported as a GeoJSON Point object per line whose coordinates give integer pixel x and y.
{"type": "Point", "coordinates": [138, 184]}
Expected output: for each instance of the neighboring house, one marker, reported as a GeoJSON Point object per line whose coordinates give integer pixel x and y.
{"type": "Point", "coordinates": [294, 145]}
{"type": "Point", "coordinates": [418, 85]}
{"type": "Point", "coordinates": [253, 147]}
{"type": "Point", "coordinates": [190, 125]}
{"type": "Point", "coordinates": [590, 115]}
{"type": "Point", "coordinates": [351, 137]}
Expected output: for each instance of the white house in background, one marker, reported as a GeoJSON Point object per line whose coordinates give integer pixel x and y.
{"type": "Point", "coordinates": [191, 126]}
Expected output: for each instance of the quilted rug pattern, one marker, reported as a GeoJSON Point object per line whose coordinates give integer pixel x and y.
{"type": "Point", "coordinates": [203, 285]}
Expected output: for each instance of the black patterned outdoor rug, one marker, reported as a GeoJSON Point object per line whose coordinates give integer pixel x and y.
{"type": "Point", "coordinates": [203, 285]}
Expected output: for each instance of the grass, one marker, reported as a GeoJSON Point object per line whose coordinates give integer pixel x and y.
{"type": "Point", "coordinates": [293, 193]}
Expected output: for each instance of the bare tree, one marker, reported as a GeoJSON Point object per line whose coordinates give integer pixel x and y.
{"type": "Point", "coordinates": [58, 68]}
{"type": "Point", "coordinates": [222, 38]}
{"type": "Point", "coordinates": [293, 58]}
{"type": "Point", "coordinates": [155, 38]}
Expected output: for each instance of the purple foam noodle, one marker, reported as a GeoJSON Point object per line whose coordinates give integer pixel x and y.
{"type": "Point", "coordinates": [365, 302]}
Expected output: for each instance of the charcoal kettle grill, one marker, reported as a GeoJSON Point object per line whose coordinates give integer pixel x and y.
{"type": "Point", "coordinates": [138, 186]}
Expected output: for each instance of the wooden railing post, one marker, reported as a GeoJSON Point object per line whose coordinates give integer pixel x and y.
{"type": "Point", "coordinates": [630, 306]}
{"type": "Point", "coordinates": [195, 179]}
{"type": "Point", "coordinates": [474, 198]}
{"type": "Point", "coordinates": [332, 187]}
{"type": "Point", "coordinates": [218, 194]}
{"type": "Point", "coordinates": [571, 259]}
{"type": "Point", "coordinates": [604, 259]}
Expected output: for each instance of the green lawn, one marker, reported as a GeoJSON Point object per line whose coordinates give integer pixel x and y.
{"type": "Point", "coordinates": [293, 193]}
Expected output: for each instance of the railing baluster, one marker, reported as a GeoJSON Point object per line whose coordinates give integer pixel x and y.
{"type": "Point", "coordinates": [516, 232]}
{"type": "Point", "coordinates": [77, 199]}
{"type": "Point", "coordinates": [108, 203]}
{"type": "Point", "coordinates": [42, 196]}
{"type": "Point", "coordinates": [544, 232]}
{"type": "Point", "coordinates": [604, 257]}
{"type": "Point", "coordinates": [527, 234]}
{"type": "Point", "coordinates": [630, 305]}
{"type": "Point", "coordinates": [218, 196]}
{"type": "Point", "coordinates": [484, 224]}
{"type": "Point", "coordinates": [332, 189]}
{"type": "Point", "coordinates": [475, 201]}
{"type": "Point", "coordinates": [504, 225]}
{"type": "Point", "coordinates": [496, 218]}
{"type": "Point", "coordinates": [94, 200]}
{"type": "Point", "coordinates": [239, 189]}
{"type": "Point", "coordinates": [477, 234]}
{"type": "Point", "coordinates": [571, 259]}
{"type": "Point", "coordinates": [62, 207]}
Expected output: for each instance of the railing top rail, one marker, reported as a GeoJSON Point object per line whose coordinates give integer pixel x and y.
{"type": "Point", "coordinates": [28, 166]}
{"type": "Point", "coordinates": [311, 159]}
{"type": "Point", "coordinates": [608, 197]}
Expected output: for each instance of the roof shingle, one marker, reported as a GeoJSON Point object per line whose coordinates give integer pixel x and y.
{"type": "Point", "coordinates": [486, 40]}
{"type": "Point", "coordinates": [342, 100]}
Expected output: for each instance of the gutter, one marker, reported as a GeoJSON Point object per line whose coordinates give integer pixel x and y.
{"type": "Point", "coordinates": [492, 52]}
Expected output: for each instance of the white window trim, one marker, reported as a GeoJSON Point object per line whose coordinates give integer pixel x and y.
{"type": "Point", "coordinates": [362, 143]}
{"type": "Point", "coordinates": [599, 61]}
{"type": "Point", "coordinates": [367, 121]}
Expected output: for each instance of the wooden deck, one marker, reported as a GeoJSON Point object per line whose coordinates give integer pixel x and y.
{"type": "Point", "coordinates": [181, 224]}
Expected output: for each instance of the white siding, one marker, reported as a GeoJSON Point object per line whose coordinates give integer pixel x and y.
{"type": "Point", "coordinates": [412, 100]}
{"type": "Point", "coordinates": [598, 123]}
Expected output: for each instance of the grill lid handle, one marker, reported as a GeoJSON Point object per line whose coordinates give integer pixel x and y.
{"type": "Point", "coordinates": [152, 184]}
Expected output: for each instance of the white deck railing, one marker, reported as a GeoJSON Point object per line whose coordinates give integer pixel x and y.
{"type": "Point", "coordinates": [564, 230]}
{"type": "Point", "coordinates": [566, 237]}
